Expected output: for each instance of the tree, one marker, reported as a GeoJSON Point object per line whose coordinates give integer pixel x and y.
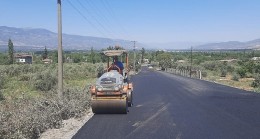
{"type": "Point", "coordinates": [115, 48]}
{"type": "Point", "coordinates": [165, 60]}
{"type": "Point", "coordinates": [102, 56]}
{"type": "Point", "coordinates": [45, 53]}
{"type": "Point", "coordinates": [143, 52]}
{"type": "Point", "coordinates": [110, 48]}
{"type": "Point", "coordinates": [55, 56]}
{"type": "Point", "coordinates": [11, 51]}
{"type": "Point", "coordinates": [3, 59]}
{"type": "Point", "coordinates": [256, 82]}
{"type": "Point", "coordinates": [92, 56]}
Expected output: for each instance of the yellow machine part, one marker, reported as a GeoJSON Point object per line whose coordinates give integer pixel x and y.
{"type": "Point", "coordinates": [109, 105]}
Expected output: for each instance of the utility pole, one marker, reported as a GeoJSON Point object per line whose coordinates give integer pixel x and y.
{"type": "Point", "coordinates": [134, 55]}
{"type": "Point", "coordinates": [190, 60]}
{"type": "Point", "coordinates": [60, 62]}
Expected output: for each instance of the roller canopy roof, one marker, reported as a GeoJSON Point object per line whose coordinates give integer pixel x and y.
{"type": "Point", "coordinates": [114, 52]}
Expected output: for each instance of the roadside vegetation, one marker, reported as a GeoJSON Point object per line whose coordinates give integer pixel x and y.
{"type": "Point", "coordinates": [29, 103]}
{"type": "Point", "coordinates": [237, 68]}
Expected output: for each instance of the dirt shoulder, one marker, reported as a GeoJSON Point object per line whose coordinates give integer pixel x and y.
{"type": "Point", "coordinates": [70, 128]}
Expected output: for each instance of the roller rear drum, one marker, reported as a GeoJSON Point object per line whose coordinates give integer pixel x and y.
{"type": "Point", "coordinates": [100, 106]}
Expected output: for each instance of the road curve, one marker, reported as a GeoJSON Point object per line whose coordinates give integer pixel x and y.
{"type": "Point", "coordinates": [168, 106]}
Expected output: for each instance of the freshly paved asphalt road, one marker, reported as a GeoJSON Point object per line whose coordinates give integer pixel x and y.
{"type": "Point", "coordinates": [173, 107]}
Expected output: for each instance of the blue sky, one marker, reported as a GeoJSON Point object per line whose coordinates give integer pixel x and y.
{"type": "Point", "coordinates": [146, 21]}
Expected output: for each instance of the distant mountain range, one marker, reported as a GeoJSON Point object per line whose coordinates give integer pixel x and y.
{"type": "Point", "coordinates": [37, 39]}
{"type": "Point", "coordinates": [254, 44]}
{"type": "Point", "coordinates": [27, 38]}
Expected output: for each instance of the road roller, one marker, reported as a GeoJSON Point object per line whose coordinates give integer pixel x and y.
{"type": "Point", "coordinates": [112, 93]}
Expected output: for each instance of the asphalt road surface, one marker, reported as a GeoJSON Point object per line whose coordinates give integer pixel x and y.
{"type": "Point", "coordinates": [167, 106]}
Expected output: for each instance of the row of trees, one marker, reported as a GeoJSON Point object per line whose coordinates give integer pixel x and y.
{"type": "Point", "coordinates": [91, 56]}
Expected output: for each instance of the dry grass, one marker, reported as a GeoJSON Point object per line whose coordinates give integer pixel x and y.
{"type": "Point", "coordinates": [243, 83]}
{"type": "Point", "coordinates": [28, 118]}
{"type": "Point", "coordinates": [30, 104]}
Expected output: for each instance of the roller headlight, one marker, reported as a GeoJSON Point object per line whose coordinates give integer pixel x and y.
{"type": "Point", "coordinates": [116, 88]}
{"type": "Point", "coordinates": [99, 89]}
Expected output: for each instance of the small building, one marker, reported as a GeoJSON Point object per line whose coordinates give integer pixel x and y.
{"type": "Point", "coordinates": [256, 58]}
{"type": "Point", "coordinates": [47, 61]}
{"type": "Point", "coordinates": [228, 60]}
{"type": "Point", "coordinates": [180, 61]}
{"type": "Point", "coordinates": [23, 58]}
{"type": "Point", "coordinates": [145, 60]}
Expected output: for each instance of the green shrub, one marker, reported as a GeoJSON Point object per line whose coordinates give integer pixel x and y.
{"type": "Point", "coordinates": [241, 72]}
{"type": "Point", "coordinates": [230, 69]}
{"type": "Point", "coordinates": [211, 65]}
{"type": "Point", "coordinates": [223, 72]}
{"type": "Point", "coordinates": [25, 77]}
{"type": "Point", "coordinates": [2, 81]}
{"type": "Point", "coordinates": [256, 82]}
{"type": "Point", "coordinates": [235, 77]}
{"type": "Point", "coordinates": [28, 118]}
{"type": "Point", "coordinates": [204, 74]}
{"type": "Point", "coordinates": [45, 80]}
{"type": "Point", "coordinates": [1, 95]}
{"type": "Point", "coordinates": [77, 71]}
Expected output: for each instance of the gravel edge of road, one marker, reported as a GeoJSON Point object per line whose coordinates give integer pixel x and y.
{"type": "Point", "coordinates": [69, 129]}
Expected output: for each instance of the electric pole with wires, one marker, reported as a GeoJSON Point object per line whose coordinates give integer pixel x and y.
{"type": "Point", "coordinates": [191, 59]}
{"type": "Point", "coordinates": [60, 62]}
{"type": "Point", "coordinates": [134, 55]}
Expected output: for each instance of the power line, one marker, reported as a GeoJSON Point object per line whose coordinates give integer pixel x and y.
{"type": "Point", "coordinates": [103, 27]}
{"type": "Point", "coordinates": [112, 13]}
{"type": "Point", "coordinates": [103, 16]}
{"type": "Point", "coordinates": [98, 11]}
{"type": "Point", "coordinates": [95, 22]}
{"type": "Point", "coordinates": [86, 19]}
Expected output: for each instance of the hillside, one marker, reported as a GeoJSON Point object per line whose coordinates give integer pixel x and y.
{"type": "Point", "coordinates": [254, 44]}
{"type": "Point", "coordinates": [28, 38]}
{"type": "Point", "coordinates": [34, 39]}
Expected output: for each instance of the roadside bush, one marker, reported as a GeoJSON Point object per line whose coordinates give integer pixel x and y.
{"type": "Point", "coordinates": [25, 77]}
{"type": "Point", "coordinates": [28, 118]}
{"type": "Point", "coordinates": [1, 95]}
{"type": "Point", "coordinates": [2, 80]}
{"type": "Point", "coordinates": [256, 82]}
{"type": "Point", "coordinates": [211, 65]}
{"type": "Point", "coordinates": [235, 77]}
{"type": "Point", "coordinates": [17, 70]}
{"type": "Point", "coordinates": [230, 69]}
{"type": "Point", "coordinates": [80, 71]}
{"type": "Point", "coordinates": [45, 81]}
{"type": "Point", "coordinates": [204, 74]}
{"type": "Point", "coordinates": [241, 72]}
{"type": "Point", "coordinates": [257, 68]}
{"type": "Point", "coordinates": [223, 72]}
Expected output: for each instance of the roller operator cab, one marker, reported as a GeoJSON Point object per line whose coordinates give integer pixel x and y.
{"type": "Point", "coordinates": [112, 92]}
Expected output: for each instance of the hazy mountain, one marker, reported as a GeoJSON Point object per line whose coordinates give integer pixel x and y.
{"type": "Point", "coordinates": [173, 45]}
{"type": "Point", "coordinates": [254, 44]}
{"type": "Point", "coordinates": [28, 38]}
